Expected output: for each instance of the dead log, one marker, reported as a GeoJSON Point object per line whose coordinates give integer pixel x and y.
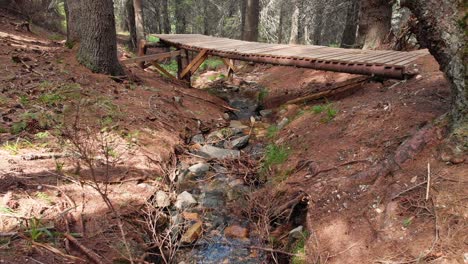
{"type": "Point", "coordinates": [343, 87]}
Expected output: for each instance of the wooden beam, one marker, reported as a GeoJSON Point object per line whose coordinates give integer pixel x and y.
{"type": "Point", "coordinates": [154, 57]}
{"type": "Point", "coordinates": [230, 64]}
{"type": "Point", "coordinates": [163, 71]}
{"type": "Point", "coordinates": [191, 67]}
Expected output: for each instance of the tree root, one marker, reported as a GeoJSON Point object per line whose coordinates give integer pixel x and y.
{"type": "Point", "coordinates": [407, 150]}
{"type": "Point", "coordinates": [94, 257]}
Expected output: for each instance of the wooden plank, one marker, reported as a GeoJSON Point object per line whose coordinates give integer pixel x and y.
{"type": "Point", "coordinates": [163, 71]}
{"type": "Point", "coordinates": [405, 62]}
{"type": "Point", "coordinates": [200, 56]}
{"type": "Point", "coordinates": [154, 57]}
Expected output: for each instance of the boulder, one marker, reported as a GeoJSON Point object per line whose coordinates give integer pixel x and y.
{"type": "Point", "coordinates": [218, 153]}
{"type": "Point", "coordinates": [198, 139]}
{"type": "Point", "coordinates": [185, 200]}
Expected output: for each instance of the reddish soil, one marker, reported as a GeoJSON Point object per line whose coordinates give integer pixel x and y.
{"type": "Point", "coordinates": [383, 221]}
{"type": "Point", "coordinates": [144, 114]}
{"type": "Point", "coordinates": [374, 222]}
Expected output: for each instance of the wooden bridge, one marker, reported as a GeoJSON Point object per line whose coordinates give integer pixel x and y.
{"type": "Point", "coordinates": [384, 63]}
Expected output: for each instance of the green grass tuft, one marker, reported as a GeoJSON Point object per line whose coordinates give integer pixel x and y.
{"type": "Point", "coordinates": [275, 155]}
{"type": "Point", "coordinates": [272, 131]}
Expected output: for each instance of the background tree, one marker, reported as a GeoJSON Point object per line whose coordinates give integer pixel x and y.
{"type": "Point", "coordinates": [95, 27]}
{"type": "Point", "coordinates": [375, 18]}
{"type": "Point", "coordinates": [441, 28]}
{"type": "Point", "coordinates": [252, 16]}
{"type": "Point", "coordinates": [139, 22]}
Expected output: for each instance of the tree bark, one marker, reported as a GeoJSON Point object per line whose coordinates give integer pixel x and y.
{"type": "Point", "coordinates": [72, 13]}
{"type": "Point", "coordinates": [441, 25]}
{"type": "Point", "coordinates": [317, 21]}
{"type": "Point", "coordinates": [139, 22]}
{"type": "Point", "coordinates": [252, 18]}
{"type": "Point", "coordinates": [130, 24]}
{"type": "Point", "coordinates": [165, 17]}
{"type": "Point", "coordinates": [294, 37]}
{"type": "Point", "coordinates": [96, 27]}
{"type": "Point", "coordinates": [243, 11]}
{"type": "Point", "coordinates": [281, 22]}
{"type": "Point", "coordinates": [181, 22]}
{"type": "Point", "coordinates": [375, 18]}
{"type": "Point", "coordinates": [349, 34]}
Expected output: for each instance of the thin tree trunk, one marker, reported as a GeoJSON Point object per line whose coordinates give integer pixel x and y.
{"type": "Point", "coordinates": [243, 11]}
{"type": "Point", "coordinates": [139, 22]}
{"type": "Point", "coordinates": [165, 17]}
{"type": "Point", "coordinates": [439, 29]}
{"type": "Point", "coordinates": [206, 18]}
{"type": "Point", "coordinates": [317, 21]}
{"type": "Point", "coordinates": [375, 17]}
{"type": "Point", "coordinates": [98, 39]}
{"type": "Point", "coordinates": [130, 22]}
{"type": "Point", "coordinates": [251, 20]}
{"type": "Point", "coordinates": [281, 21]}
{"type": "Point", "coordinates": [72, 12]}
{"type": "Point", "coordinates": [294, 37]}
{"type": "Point", "coordinates": [180, 17]}
{"type": "Point", "coordinates": [349, 34]}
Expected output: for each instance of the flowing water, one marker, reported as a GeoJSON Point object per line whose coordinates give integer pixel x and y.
{"type": "Point", "coordinates": [221, 194]}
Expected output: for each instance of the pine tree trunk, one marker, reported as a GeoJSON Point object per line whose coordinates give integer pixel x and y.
{"type": "Point", "coordinates": [374, 23]}
{"type": "Point", "coordinates": [165, 17]}
{"type": "Point", "coordinates": [139, 22]}
{"type": "Point", "coordinates": [252, 18]}
{"type": "Point", "coordinates": [280, 24]}
{"type": "Point", "coordinates": [243, 11]}
{"type": "Point", "coordinates": [96, 27]}
{"type": "Point", "coordinates": [317, 21]}
{"type": "Point", "coordinates": [349, 34]}
{"type": "Point", "coordinates": [180, 17]}
{"type": "Point", "coordinates": [441, 29]}
{"type": "Point", "coordinates": [294, 37]}
{"type": "Point", "coordinates": [72, 12]}
{"type": "Point", "coordinates": [130, 24]}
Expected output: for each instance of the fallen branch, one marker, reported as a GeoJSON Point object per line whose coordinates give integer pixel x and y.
{"type": "Point", "coordinates": [8, 234]}
{"type": "Point", "coordinates": [56, 251]}
{"type": "Point", "coordinates": [349, 85]}
{"type": "Point", "coordinates": [94, 257]}
{"type": "Point", "coordinates": [208, 101]}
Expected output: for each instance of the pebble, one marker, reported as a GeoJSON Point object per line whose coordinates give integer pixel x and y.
{"type": "Point", "coordinates": [266, 112]}
{"type": "Point", "coordinates": [199, 169]}
{"type": "Point", "coordinates": [162, 199]}
{"type": "Point", "coordinates": [236, 231]}
{"type": "Point", "coordinates": [297, 233]}
{"type": "Point", "coordinates": [237, 143]}
{"type": "Point", "coordinates": [193, 233]}
{"type": "Point", "coordinates": [237, 124]}
{"type": "Point", "coordinates": [283, 123]}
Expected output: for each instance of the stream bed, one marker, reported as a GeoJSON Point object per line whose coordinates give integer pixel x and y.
{"type": "Point", "coordinates": [222, 233]}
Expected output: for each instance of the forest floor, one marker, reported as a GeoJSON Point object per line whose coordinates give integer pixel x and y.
{"type": "Point", "coordinates": [307, 175]}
